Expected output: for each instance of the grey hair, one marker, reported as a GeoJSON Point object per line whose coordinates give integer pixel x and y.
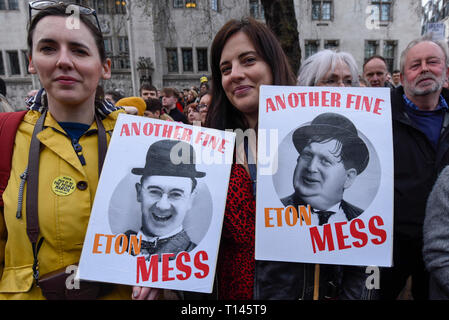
{"type": "Point", "coordinates": [426, 38]}
{"type": "Point", "coordinates": [316, 66]}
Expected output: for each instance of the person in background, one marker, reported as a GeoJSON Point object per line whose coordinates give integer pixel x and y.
{"type": "Point", "coordinates": [375, 71]}
{"type": "Point", "coordinates": [204, 86]}
{"type": "Point", "coordinates": [245, 54]}
{"type": "Point", "coordinates": [147, 91]}
{"type": "Point", "coordinates": [203, 106]}
{"type": "Point", "coordinates": [396, 78]}
{"type": "Point", "coordinates": [193, 115]}
{"type": "Point", "coordinates": [169, 100]}
{"type": "Point", "coordinates": [192, 95]}
{"type": "Point", "coordinates": [154, 110]}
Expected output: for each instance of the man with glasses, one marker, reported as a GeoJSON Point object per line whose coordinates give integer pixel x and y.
{"type": "Point", "coordinates": [165, 193]}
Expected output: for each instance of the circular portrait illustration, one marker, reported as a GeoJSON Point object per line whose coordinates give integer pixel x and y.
{"type": "Point", "coordinates": [331, 166]}
{"type": "Point", "coordinates": [167, 205]}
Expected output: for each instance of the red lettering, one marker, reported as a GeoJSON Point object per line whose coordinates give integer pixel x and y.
{"type": "Point", "coordinates": [303, 98]}
{"type": "Point", "coordinates": [335, 99]}
{"type": "Point", "coordinates": [166, 267]}
{"type": "Point", "coordinates": [125, 130]}
{"type": "Point", "coordinates": [319, 242]}
{"type": "Point", "coordinates": [377, 108]}
{"type": "Point", "coordinates": [314, 99]}
{"type": "Point", "coordinates": [152, 268]}
{"type": "Point", "coordinates": [148, 128]}
{"type": "Point", "coordinates": [187, 134]}
{"type": "Point", "coordinates": [270, 105]}
{"type": "Point", "coordinates": [221, 147]}
{"type": "Point", "coordinates": [293, 100]}
{"type": "Point", "coordinates": [167, 131]}
{"type": "Point", "coordinates": [135, 127]}
{"type": "Point", "coordinates": [198, 263]}
{"type": "Point", "coordinates": [280, 101]}
{"type": "Point", "coordinates": [183, 267]}
{"type": "Point", "coordinates": [340, 236]}
{"type": "Point", "coordinates": [324, 100]}
{"type": "Point", "coordinates": [376, 231]}
{"type": "Point", "coordinates": [357, 234]}
{"type": "Point", "coordinates": [367, 101]}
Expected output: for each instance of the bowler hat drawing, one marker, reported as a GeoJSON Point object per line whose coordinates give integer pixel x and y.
{"type": "Point", "coordinates": [335, 126]}
{"type": "Point", "coordinates": [163, 160]}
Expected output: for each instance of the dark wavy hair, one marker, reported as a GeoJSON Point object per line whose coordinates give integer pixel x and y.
{"type": "Point", "coordinates": [60, 11]}
{"type": "Point", "coordinates": [222, 114]}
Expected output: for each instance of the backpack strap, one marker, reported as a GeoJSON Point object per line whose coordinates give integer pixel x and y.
{"type": "Point", "coordinates": [9, 123]}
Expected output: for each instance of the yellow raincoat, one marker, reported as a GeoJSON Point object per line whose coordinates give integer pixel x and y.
{"type": "Point", "coordinates": [63, 213]}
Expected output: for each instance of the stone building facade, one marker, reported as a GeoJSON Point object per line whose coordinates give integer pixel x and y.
{"type": "Point", "coordinates": [167, 42]}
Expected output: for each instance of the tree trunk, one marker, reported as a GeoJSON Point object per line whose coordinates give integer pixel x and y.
{"type": "Point", "coordinates": [280, 18]}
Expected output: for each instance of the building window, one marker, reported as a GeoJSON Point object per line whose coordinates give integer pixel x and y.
{"type": "Point", "coordinates": [381, 10]}
{"type": "Point", "coordinates": [256, 9]}
{"type": "Point", "coordinates": [321, 10]}
{"type": "Point", "coordinates": [202, 59]}
{"type": "Point", "coordinates": [9, 5]}
{"type": "Point", "coordinates": [123, 51]}
{"type": "Point", "coordinates": [311, 47]}
{"type": "Point", "coordinates": [187, 60]}
{"type": "Point", "coordinates": [331, 44]}
{"type": "Point", "coordinates": [2, 66]}
{"type": "Point", "coordinates": [371, 48]}
{"type": "Point", "coordinates": [14, 64]}
{"type": "Point", "coordinates": [108, 46]}
{"type": "Point", "coordinates": [172, 60]}
{"type": "Point", "coordinates": [214, 5]}
{"type": "Point", "coordinates": [25, 59]}
{"type": "Point", "coordinates": [390, 54]}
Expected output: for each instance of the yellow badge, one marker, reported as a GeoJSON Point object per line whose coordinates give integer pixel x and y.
{"type": "Point", "coordinates": [63, 185]}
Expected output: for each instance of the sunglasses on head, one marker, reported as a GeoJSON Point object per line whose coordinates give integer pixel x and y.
{"type": "Point", "coordinates": [70, 9]}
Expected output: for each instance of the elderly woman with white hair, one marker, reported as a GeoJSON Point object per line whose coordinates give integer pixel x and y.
{"type": "Point", "coordinates": [328, 68]}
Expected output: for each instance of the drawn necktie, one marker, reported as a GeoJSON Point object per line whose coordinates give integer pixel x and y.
{"type": "Point", "coordinates": [323, 216]}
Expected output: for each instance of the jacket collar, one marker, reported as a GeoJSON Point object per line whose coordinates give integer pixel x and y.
{"type": "Point", "coordinates": [398, 104]}
{"type": "Point", "coordinates": [38, 103]}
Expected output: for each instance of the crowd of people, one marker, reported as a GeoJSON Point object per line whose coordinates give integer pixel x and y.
{"type": "Point", "coordinates": [71, 118]}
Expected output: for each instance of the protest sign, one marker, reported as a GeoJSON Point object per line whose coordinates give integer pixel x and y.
{"type": "Point", "coordinates": [158, 211]}
{"type": "Point", "coordinates": [325, 175]}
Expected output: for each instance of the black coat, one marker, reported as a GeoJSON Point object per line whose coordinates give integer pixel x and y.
{"type": "Point", "coordinates": [416, 167]}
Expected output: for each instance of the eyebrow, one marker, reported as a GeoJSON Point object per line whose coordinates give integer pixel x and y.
{"type": "Point", "coordinates": [171, 190]}
{"type": "Point", "coordinates": [241, 55]}
{"type": "Point", "coordinates": [72, 43]}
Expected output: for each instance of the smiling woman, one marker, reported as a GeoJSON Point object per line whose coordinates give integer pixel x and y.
{"type": "Point", "coordinates": [61, 140]}
{"type": "Point", "coordinates": [245, 55]}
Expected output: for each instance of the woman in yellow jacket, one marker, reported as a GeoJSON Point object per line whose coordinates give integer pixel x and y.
{"type": "Point", "coordinates": [67, 53]}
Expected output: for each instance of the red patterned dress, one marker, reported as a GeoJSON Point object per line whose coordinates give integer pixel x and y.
{"type": "Point", "coordinates": [235, 269]}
